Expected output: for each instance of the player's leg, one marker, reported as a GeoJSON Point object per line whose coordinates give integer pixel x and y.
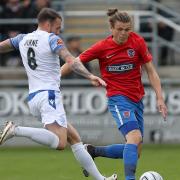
{"type": "Point", "coordinates": [130, 154]}
{"type": "Point", "coordinates": [60, 132]}
{"type": "Point", "coordinates": [39, 135]}
{"type": "Point", "coordinates": [114, 151]}
{"type": "Point", "coordinates": [49, 105]}
{"type": "Point", "coordinates": [82, 156]}
{"type": "Point", "coordinates": [123, 111]}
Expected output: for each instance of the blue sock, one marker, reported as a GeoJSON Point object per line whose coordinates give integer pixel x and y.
{"type": "Point", "coordinates": [114, 151]}
{"type": "Point", "coordinates": [130, 156]}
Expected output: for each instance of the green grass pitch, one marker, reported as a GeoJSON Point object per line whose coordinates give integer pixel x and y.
{"type": "Point", "coordinates": [45, 164]}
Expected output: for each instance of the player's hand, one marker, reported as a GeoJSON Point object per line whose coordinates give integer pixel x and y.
{"type": "Point", "coordinates": [162, 108]}
{"type": "Point", "coordinates": [97, 81]}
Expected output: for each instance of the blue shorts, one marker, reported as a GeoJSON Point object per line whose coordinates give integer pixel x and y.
{"type": "Point", "coordinates": [127, 114]}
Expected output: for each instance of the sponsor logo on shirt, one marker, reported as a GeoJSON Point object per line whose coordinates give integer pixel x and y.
{"type": "Point", "coordinates": [117, 68]}
{"type": "Point", "coordinates": [131, 53]}
{"type": "Point", "coordinates": [110, 56]}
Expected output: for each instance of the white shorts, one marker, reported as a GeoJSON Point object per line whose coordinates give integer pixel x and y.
{"type": "Point", "coordinates": [49, 106]}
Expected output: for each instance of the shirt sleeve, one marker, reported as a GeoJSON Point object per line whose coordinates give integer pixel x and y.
{"type": "Point", "coordinates": [91, 53]}
{"type": "Point", "coordinates": [55, 43]}
{"type": "Point", "coordinates": [144, 52]}
{"type": "Point", "coordinates": [16, 40]}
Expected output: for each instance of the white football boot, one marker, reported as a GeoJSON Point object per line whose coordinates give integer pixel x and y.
{"type": "Point", "coordinates": [8, 132]}
{"type": "Point", "coordinates": [113, 177]}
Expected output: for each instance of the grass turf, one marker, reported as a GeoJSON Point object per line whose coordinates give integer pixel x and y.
{"type": "Point", "coordinates": [45, 164]}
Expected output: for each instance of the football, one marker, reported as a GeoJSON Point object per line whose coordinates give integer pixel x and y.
{"type": "Point", "coordinates": [151, 175]}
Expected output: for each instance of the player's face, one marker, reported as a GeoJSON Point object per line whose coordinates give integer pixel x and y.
{"type": "Point", "coordinates": [56, 26]}
{"type": "Point", "coordinates": [121, 31]}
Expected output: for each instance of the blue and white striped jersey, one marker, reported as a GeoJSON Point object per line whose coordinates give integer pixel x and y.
{"type": "Point", "coordinates": [39, 52]}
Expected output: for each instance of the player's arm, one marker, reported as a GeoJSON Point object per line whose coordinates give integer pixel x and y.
{"type": "Point", "coordinates": [156, 84]}
{"type": "Point", "coordinates": [65, 69]}
{"type": "Point", "coordinates": [88, 55]}
{"type": "Point", "coordinates": [57, 46]}
{"type": "Point", "coordinates": [11, 44]}
{"type": "Point", "coordinates": [76, 65]}
{"type": "Point", "coordinates": [6, 46]}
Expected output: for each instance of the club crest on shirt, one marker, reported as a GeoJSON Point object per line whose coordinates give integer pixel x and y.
{"type": "Point", "coordinates": [126, 114]}
{"type": "Point", "coordinates": [131, 53]}
{"type": "Point", "coordinates": [59, 42]}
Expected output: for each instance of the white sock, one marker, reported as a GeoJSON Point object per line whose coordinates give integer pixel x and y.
{"type": "Point", "coordinates": [84, 158]}
{"type": "Point", "coordinates": [38, 135]}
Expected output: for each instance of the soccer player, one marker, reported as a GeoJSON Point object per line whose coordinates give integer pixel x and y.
{"type": "Point", "coordinates": [121, 58]}
{"type": "Point", "coordinates": [40, 51]}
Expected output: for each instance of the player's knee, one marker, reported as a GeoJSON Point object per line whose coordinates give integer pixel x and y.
{"type": "Point", "coordinates": [138, 138]}
{"type": "Point", "coordinates": [134, 137]}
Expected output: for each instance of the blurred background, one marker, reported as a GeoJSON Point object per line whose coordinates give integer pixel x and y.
{"type": "Point", "coordinates": [85, 22]}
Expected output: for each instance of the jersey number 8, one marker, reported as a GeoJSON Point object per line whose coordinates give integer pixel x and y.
{"type": "Point", "coordinates": [31, 59]}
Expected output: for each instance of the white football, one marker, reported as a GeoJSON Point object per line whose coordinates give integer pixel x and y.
{"type": "Point", "coordinates": [151, 175]}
